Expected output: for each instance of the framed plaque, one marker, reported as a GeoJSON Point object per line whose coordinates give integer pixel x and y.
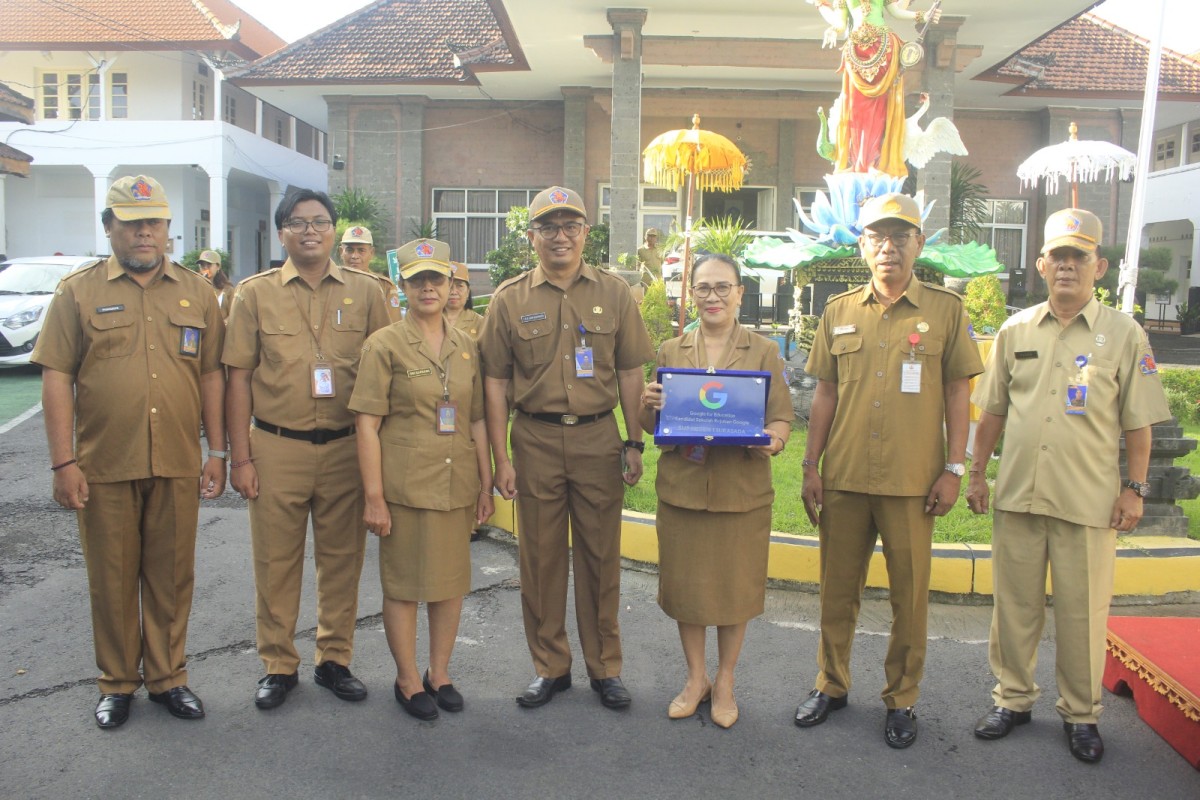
{"type": "Point", "coordinates": [723, 407]}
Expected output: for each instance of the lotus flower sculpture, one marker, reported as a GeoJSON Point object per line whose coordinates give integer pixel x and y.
{"type": "Point", "coordinates": [834, 217]}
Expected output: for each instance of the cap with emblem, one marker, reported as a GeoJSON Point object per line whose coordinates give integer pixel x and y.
{"type": "Point", "coordinates": [890, 206]}
{"type": "Point", "coordinates": [652, 232]}
{"type": "Point", "coordinates": [357, 234]}
{"type": "Point", "coordinates": [1073, 227]}
{"type": "Point", "coordinates": [210, 257]}
{"type": "Point", "coordinates": [556, 198]}
{"type": "Point", "coordinates": [423, 255]}
{"type": "Point", "coordinates": [137, 197]}
{"type": "Point", "coordinates": [460, 271]}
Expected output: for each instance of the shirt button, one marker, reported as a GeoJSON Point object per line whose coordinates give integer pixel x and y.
{"type": "Point", "coordinates": [153, 374]}
{"type": "Point", "coordinates": [1054, 391]}
{"type": "Point", "coordinates": [1049, 419]}
{"type": "Point", "coordinates": [883, 344]}
{"type": "Point", "coordinates": [876, 404]}
{"type": "Point", "coordinates": [1044, 447]}
{"type": "Point", "coordinates": [151, 347]}
{"type": "Point", "coordinates": [154, 411]}
{"type": "Point", "coordinates": [1058, 363]}
{"type": "Point", "coordinates": [569, 386]}
{"type": "Point", "coordinates": [566, 327]}
{"type": "Point", "coordinates": [149, 319]}
{"type": "Point", "coordinates": [315, 328]}
{"type": "Point", "coordinates": [447, 461]}
{"type": "Point", "coordinates": [879, 374]}
{"type": "Point", "coordinates": [280, 327]}
{"type": "Point", "coordinates": [885, 316]}
{"type": "Point", "coordinates": [566, 358]}
{"type": "Point", "coordinates": [874, 434]}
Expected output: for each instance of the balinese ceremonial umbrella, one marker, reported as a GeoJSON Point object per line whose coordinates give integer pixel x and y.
{"type": "Point", "coordinates": [1076, 161]}
{"type": "Point", "coordinates": [695, 157]}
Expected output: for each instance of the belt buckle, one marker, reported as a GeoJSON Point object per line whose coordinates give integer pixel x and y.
{"type": "Point", "coordinates": [570, 419]}
{"type": "Point", "coordinates": [320, 436]}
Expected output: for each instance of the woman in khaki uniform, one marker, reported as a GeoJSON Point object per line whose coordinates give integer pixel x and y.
{"type": "Point", "coordinates": [714, 503]}
{"type": "Point", "coordinates": [460, 307]}
{"type": "Point", "coordinates": [424, 458]}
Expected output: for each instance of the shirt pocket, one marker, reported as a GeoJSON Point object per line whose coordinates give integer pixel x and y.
{"type": "Point", "coordinates": [537, 346]}
{"type": "Point", "coordinates": [113, 334]}
{"type": "Point", "coordinates": [187, 327]}
{"type": "Point", "coordinates": [929, 354]}
{"type": "Point", "coordinates": [601, 336]}
{"type": "Point", "coordinates": [850, 357]}
{"type": "Point", "coordinates": [282, 337]}
{"type": "Point", "coordinates": [347, 331]}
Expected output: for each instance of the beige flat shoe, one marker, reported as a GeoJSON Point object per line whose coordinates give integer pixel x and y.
{"type": "Point", "coordinates": [680, 708]}
{"type": "Point", "coordinates": [724, 715]}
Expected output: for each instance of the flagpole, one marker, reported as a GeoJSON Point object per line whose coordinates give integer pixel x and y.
{"type": "Point", "coordinates": [1137, 211]}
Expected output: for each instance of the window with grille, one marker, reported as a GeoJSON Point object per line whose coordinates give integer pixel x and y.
{"type": "Point", "coordinates": [1005, 229]}
{"type": "Point", "coordinates": [70, 95]}
{"type": "Point", "coordinates": [471, 221]}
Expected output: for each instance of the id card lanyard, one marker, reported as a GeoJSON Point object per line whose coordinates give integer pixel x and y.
{"type": "Point", "coordinates": [910, 371]}
{"type": "Point", "coordinates": [585, 365]}
{"type": "Point", "coordinates": [446, 417]}
{"type": "Point", "coordinates": [1077, 390]}
{"type": "Point", "coordinates": [321, 372]}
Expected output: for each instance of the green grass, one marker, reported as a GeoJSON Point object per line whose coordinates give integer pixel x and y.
{"type": "Point", "coordinates": [787, 513]}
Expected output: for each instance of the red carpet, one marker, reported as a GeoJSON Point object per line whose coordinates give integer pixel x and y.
{"type": "Point", "coordinates": [1157, 660]}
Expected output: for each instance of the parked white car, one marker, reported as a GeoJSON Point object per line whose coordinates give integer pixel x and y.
{"type": "Point", "coordinates": [26, 288]}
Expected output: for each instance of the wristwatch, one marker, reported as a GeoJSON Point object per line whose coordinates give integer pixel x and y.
{"type": "Point", "coordinates": [221, 454]}
{"type": "Point", "coordinates": [639, 446]}
{"type": "Point", "coordinates": [957, 469]}
{"type": "Point", "coordinates": [1142, 489]}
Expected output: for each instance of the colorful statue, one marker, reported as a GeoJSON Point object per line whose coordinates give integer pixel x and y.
{"type": "Point", "coordinates": [868, 116]}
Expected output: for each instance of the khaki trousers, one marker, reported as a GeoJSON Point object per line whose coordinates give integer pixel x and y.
{"type": "Point", "coordinates": [570, 475]}
{"type": "Point", "coordinates": [1081, 562]}
{"type": "Point", "coordinates": [298, 480]}
{"type": "Point", "coordinates": [139, 544]}
{"type": "Point", "coordinates": [850, 523]}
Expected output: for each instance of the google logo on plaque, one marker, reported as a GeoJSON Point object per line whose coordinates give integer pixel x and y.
{"type": "Point", "coordinates": [713, 399]}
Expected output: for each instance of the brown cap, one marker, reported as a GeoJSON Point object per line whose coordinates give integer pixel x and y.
{"type": "Point", "coordinates": [357, 234]}
{"type": "Point", "coordinates": [890, 206]}
{"type": "Point", "coordinates": [137, 197]}
{"type": "Point", "coordinates": [1073, 227]}
{"type": "Point", "coordinates": [556, 198]}
{"type": "Point", "coordinates": [210, 257]}
{"type": "Point", "coordinates": [421, 255]}
{"type": "Point", "coordinates": [460, 271]}
{"type": "Point", "coordinates": [652, 232]}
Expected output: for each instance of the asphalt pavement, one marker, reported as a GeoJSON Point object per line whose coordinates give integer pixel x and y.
{"type": "Point", "coordinates": [316, 746]}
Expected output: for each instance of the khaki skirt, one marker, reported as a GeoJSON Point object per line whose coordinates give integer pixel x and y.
{"type": "Point", "coordinates": [712, 564]}
{"type": "Point", "coordinates": [427, 557]}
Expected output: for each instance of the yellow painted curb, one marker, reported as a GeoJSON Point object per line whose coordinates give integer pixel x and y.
{"type": "Point", "coordinates": [1147, 566]}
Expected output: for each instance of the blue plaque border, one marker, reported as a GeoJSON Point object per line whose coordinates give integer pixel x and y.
{"type": "Point", "coordinates": [716, 439]}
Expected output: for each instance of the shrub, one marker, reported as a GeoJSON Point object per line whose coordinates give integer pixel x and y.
{"type": "Point", "coordinates": [657, 316]}
{"type": "Point", "coordinates": [1183, 393]}
{"type": "Point", "coordinates": [515, 254]}
{"type": "Point", "coordinates": [984, 302]}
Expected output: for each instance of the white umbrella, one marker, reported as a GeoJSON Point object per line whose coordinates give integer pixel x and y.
{"type": "Point", "coordinates": [1076, 161]}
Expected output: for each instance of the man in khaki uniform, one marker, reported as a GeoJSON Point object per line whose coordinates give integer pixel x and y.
{"type": "Point", "coordinates": [1064, 379]}
{"type": "Point", "coordinates": [894, 361]}
{"type": "Point", "coordinates": [651, 256]}
{"type": "Point", "coordinates": [567, 340]}
{"type": "Point", "coordinates": [209, 265]}
{"type": "Point", "coordinates": [131, 365]}
{"type": "Point", "coordinates": [357, 250]}
{"type": "Point", "coordinates": [292, 348]}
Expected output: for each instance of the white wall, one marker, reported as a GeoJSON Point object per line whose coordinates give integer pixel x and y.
{"type": "Point", "coordinates": [51, 212]}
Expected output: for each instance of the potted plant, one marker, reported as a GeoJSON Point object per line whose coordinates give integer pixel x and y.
{"type": "Point", "coordinates": [1189, 318]}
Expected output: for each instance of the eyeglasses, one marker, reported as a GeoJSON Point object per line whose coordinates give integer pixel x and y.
{"type": "Point", "coordinates": [897, 239]}
{"type": "Point", "coordinates": [703, 290]}
{"type": "Point", "coordinates": [427, 277]}
{"type": "Point", "coordinates": [320, 225]}
{"type": "Point", "coordinates": [550, 231]}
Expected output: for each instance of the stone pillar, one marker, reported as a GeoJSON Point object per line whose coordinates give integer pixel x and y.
{"type": "Point", "coordinates": [1169, 484]}
{"type": "Point", "coordinates": [3, 221]}
{"type": "Point", "coordinates": [218, 208]}
{"type": "Point", "coordinates": [938, 81]}
{"type": "Point", "coordinates": [625, 168]}
{"type": "Point", "coordinates": [339, 136]}
{"type": "Point", "coordinates": [277, 190]}
{"type": "Point", "coordinates": [410, 205]}
{"type": "Point", "coordinates": [576, 99]}
{"type": "Point", "coordinates": [785, 181]}
{"type": "Point", "coordinates": [101, 180]}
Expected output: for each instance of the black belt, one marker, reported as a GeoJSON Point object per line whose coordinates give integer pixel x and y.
{"type": "Point", "coordinates": [317, 436]}
{"type": "Point", "coordinates": [568, 419]}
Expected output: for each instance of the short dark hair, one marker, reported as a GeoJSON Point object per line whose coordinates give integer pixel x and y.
{"type": "Point", "coordinates": [724, 259]}
{"type": "Point", "coordinates": [288, 204]}
{"type": "Point", "coordinates": [219, 280]}
{"type": "Point", "coordinates": [107, 217]}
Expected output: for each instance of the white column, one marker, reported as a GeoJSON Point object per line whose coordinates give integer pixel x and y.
{"type": "Point", "coordinates": [292, 135]}
{"type": "Point", "coordinates": [3, 225]}
{"type": "Point", "coordinates": [218, 93]}
{"type": "Point", "coordinates": [277, 190]}
{"type": "Point", "coordinates": [101, 180]}
{"type": "Point", "coordinates": [258, 116]}
{"type": "Point", "coordinates": [1195, 271]}
{"type": "Point", "coordinates": [218, 208]}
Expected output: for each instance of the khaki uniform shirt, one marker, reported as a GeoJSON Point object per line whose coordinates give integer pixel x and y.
{"type": "Point", "coordinates": [885, 441]}
{"type": "Point", "coordinates": [731, 478]}
{"type": "Point", "coordinates": [401, 379]}
{"type": "Point", "coordinates": [137, 356]}
{"type": "Point", "coordinates": [274, 327]}
{"type": "Point", "coordinates": [1058, 464]}
{"type": "Point", "coordinates": [469, 322]}
{"type": "Point", "coordinates": [391, 295]}
{"type": "Point", "coordinates": [652, 258]}
{"type": "Point", "coordinates": [532, 329]}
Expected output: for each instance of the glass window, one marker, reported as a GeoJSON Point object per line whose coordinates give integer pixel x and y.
{"type": "Point", "coordinates": [70, 95]}
{"type": "Point", "coordinates": [50, 95]}
{"type": "Point", "coordinates": [199, 100]}
{"type": "Point", "coordinates": [472, 221]}
{"type": "Point", "coordinates": [229, 114]}
{"type": "Point", "coordinates": [1005, 231]}
{"type": "Point", "coordinates": [119, 94]}
{"type": "Point", "coordinates": [659, 209]}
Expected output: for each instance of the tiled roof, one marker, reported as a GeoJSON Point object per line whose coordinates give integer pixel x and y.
{"type": "Point", "coordinates": [14, 106]}
{"type": "Point", "coordinates": [1089, 55]}
{"type": "Point", "coordinates": [142, 24]}
{"type": "Point", "coordinates": [14, 162]}
{"type": "Point", "coordinates": [398, 41]}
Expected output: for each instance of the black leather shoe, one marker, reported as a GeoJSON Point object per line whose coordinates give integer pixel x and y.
{"type": "Point", "coordinates": [999, 722]}
{"type": "Point", "coordinates": [420, 705]}
{"type": "Point", "coordinates": [613, 693]}
{"type": "Point", "coordinates": [542, 690]}
{"type": "Point", "coordinates": [446, 695]}
{"type": "Point", "coordinates": [274, 688]}
{"type": "Point", "coordinates": [181, 702]}
{"type": "Point", "coordinates": [337, 679]}
{"type": "Point", "coordinates": [816, 708]}
{"type": "Point", "coordinates": [113, 710]}
{"type": "Point", "coordinates": [1084, 739]}
{"type": "Point", "coordinates": [900, 727]}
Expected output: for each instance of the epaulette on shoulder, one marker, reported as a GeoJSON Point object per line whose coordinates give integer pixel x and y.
{"type": "Point", "coordinates": [513, 280]}
{"type": "Point", "coordinates": [940, 288]}
{"type": "Point", "coordinates": [258, 275]}
{"type": "Point", "coordinates": [74, 274]}
{"type": "Point", "coordinates": [848, 293]}
{"type": "Point", "coordinates": [370, 274]}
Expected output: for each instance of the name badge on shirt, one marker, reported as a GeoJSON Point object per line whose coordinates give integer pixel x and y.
{"type": "Point", "coordinates": [584, 366]}
{"type": "Point", "coordinates": [419, 373]}
{"type": "Point", "coordinates": [447, 417]}
{"type": "Point", "coordinates": [1023, 354]}
{"type": "Point", "coordinates": [838, 330]}
{"type": "Point", "coordinates": [322, 379]}
{"type": "Point", "coordinates": [189, 341]}
{"type": "Point", "coordinates": [910, 377]}
{"type": "Point", "coordinates": [109, 309]}
{"type": "Point", "coordinates": [533, 317]}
